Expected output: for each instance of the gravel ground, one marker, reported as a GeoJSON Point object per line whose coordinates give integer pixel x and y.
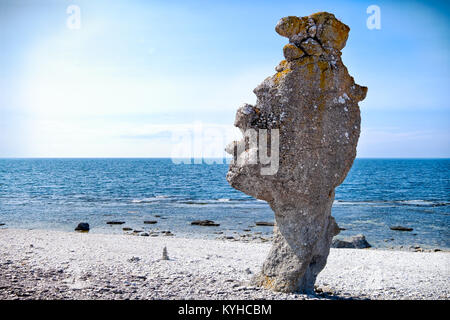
{"type": "Point", "coordinates": [38, 264]}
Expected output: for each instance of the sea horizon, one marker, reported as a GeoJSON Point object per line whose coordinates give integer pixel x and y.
{"type": "Point", "coordinates": [381, 158]}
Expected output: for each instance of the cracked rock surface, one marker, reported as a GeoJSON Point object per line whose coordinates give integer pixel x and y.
{"type": "Point", "coordinates": [313, 101]}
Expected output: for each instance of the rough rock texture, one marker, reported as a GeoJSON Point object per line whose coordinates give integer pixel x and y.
{"type": "Point", "coordinates": [313, 101]}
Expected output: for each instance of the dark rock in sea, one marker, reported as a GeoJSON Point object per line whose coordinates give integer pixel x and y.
{"type": "Point", "coordinates": [157, 216]}
{"type": "Point", "coordinates": [83, 226]}
{"type": "Point", "coordinates": [205, 223]}
{"type": "Point", "coordinates": [247, 230]}
{"type": "Point", "coordinates": [266, 224]}
{"type": "Point", "coordinates": [145, 234]}
{"type": "Point", "coordinates": [127, 229]}
{"type": "Point", "coordinates": [115, 222]}
{"type": "Point", "coordinates": [360, 242]}
{"type": "Point", "coordinates": [400, 228]}
{"type": "Point", "coordinates": [356, 242]}
{"type": "Point", "coordinates": [150, 221]}
{"type": "Point", "coordinates": [167, 233]}
{"type": "Point", "coordinates": [338, 243]}
{"type": "Point", "coordinates": [437, 250]}
{"type": "Point", "coordinates": [342, 229]}
{"type": "Point", "coordinates": [138, 231]}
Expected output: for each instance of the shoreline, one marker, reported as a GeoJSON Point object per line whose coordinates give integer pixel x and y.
{"type": "Point", "coordinates": [252, 234]}
{"type": "Point", "coordinates": [43, 264]}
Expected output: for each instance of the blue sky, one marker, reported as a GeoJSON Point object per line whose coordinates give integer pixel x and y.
{"type": "Point", "coordinates": [135, 71]}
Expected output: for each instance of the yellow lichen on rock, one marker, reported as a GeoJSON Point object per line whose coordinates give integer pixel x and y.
{"type": "Point", "coordinates": [323, 66]}
{"type": "Point", "coordinates": [333, 33]}
{"type": "Point", "coordinates": [302, 62]}
{"type": "Point", "coordinates": [268, 283]}
{"type": "Point", "coordinates": [312, 47]}
{"type": "Point", "coordinates": [289, 26]}
{"type": "Point", "coordinates": [281, 66]}
{"type": "Point", "coordinates": [279, 75]}
{"type": "Point", "coordinates": [292, 52]}
{"type": "Point", "coordinates": [321, 26]}
{"type": "Point", "coordinates": [321, 17]}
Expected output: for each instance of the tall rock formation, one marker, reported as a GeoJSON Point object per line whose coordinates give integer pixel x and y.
{"type": "Point", "coordinates": [313, 101]}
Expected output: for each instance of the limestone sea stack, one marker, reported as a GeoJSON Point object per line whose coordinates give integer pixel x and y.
{"type": "Point", "coordinates": [313, 103]}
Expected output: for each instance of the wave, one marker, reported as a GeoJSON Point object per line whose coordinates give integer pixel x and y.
{"type": "Point", "coordinates": [423, 203]}
{"type": "Point", "coordinates": [415, 203]}
{"type": "Point", "coordinates": [150, 199]}
{"type": "Point", "coordinates": [244, 201]}
{"type": "Point", "coordinates": [231, 201]}
{"type": "Point", "coordinates": [207, 201]}
{"type": "Point", "coordinates": [191, 201]}
{"type": "Point", "coordinates": [220, 201]}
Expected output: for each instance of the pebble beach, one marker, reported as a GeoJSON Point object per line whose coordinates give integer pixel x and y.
{"type": "Point", "coordinates": [42, 264]}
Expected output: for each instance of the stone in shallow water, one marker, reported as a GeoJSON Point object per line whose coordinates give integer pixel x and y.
{"type": "Point", "coordinates": [115, 222]}
{"type": "Point", "coordinates": [400, 228]}
{"type": "Point", "coordinates": [313, 102]}
{"type": "Point", "coordinates": [83, 226]}
{"type": "Point", "coordinates": [205, 223]}
{"type": "Point", "coordinates": [356, 242]}
{"type": "Point", "coordinates": [263, 223]}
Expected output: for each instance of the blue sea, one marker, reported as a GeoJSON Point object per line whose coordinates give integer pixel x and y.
{"type": "Point", "coordinates": [57, 194]}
